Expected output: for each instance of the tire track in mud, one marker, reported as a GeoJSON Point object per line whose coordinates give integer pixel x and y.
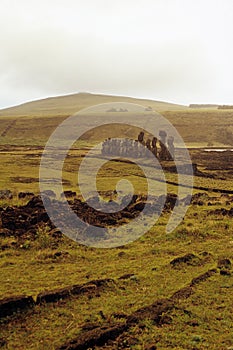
{"type": "Point", "coordinates": [21, 303]}
{"type": "Point", "coordinates": [101, 335]}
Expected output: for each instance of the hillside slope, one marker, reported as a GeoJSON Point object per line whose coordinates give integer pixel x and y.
{"type": "Point", "coordinates": [69, 104]}
{"type": "Point", "coordinates": [32, 123]}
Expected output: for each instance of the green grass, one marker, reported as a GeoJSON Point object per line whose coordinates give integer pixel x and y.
{"type": "Point", "coordinates": [70, 104]}
{"type": "Point", "coordinates": [30, 266]}
{"type": "Point", "coordinates": [34, 269]}
{"type": "Point", "coordinates": [34, 122]}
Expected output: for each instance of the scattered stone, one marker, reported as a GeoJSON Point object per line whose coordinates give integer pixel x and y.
{"type": "Point", "coordinates": [35, 202]}
{"type": "Point", "coordinates": [171, 201]}
{"type": "Point", "coordinates": [151, 347]}
{"type": "Point", "coordinates": [61, 254]}
{"type": "Point", "coordinates": [6, 194]}
{"type": "Point", "coordinates": [22, 195]}
{"type": "Point", "coordinates": [23, 221]}
{"type": "Point", "coordinates": [224, 263]}
{"type": "Point", "coordinates": [188, 259]}
{"type": "Point", "coordinates": [119, 315]}
{"type": "Point", "coordinates": [221, 211]}
{"type": "Point", "coordinates": [121, 254]}
{"type": "Point", "coordinates": [68, 194]}
{"type": "Point", "coordinates": [126, 276]}
{"type": "Point", "coordinates": [206, 254]}
{"type": "Point", "coordinates": [193, 323]}
{"type": "Point", "coordinates": [225, 272]}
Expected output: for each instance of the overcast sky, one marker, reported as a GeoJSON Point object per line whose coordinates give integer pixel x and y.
{"type": "Point", "coordinates": [172, 50]}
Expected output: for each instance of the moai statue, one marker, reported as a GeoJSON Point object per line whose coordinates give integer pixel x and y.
{"type": "Point", "coordinates": [111, 146]}
{"type": "Point", "coordinates": [130, 148]}
{"type": "Point", "coordinates": [103, 150]}
{"type": "Point", "coordinates": [107, 146]}
{"type": "Point", "coordinates": [115, 147]}
{"type": "Point", "coordinates": [154, 147]}
{"type": "Point", "coordinates": [148, 148]}
{"type": "Point", "coordinates": [141, 137]}
{"type": "Point", "coordinates": [135, 149]}
{"type": "Point", "coordinates": [118, 144]}
{"type": "Point", "coordinates": [171, 148]}
{"type": "Point", "coordinates": [148, 144]}
{"type": "Point", "coordinates": [140, 150]}
{"type": "Point", "coordinates": [121, 148]}
{"type": "Point", "coordinates": [162, 143]}
{"type": "Point", "coordinates": [144, 150]}
{"type": "Point", "coordinates": [124, 148]}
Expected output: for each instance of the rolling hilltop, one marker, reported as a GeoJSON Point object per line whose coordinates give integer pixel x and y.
{"type": "Point", "coordinates": [162, 290]}
{"type": "Point", "coordinates": [32, 123]}
{"type": "Point", "coordinates": [69, 104]}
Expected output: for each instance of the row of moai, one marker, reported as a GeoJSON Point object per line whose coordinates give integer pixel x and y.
{"type": "Point", "coordinates": [162, 149]}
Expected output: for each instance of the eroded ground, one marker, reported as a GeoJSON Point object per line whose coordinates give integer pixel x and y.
{"type": "Point", "coordinates": [163, 291]}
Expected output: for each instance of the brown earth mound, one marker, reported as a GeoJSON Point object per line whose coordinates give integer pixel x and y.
{"type": "Point", "coordinates": [23, 221]}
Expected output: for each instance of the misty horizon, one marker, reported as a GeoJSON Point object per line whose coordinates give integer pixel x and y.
{"type": "Point", "coordinates": [177, 51]}
{"type": "Point", "coordinates": [115, 95]}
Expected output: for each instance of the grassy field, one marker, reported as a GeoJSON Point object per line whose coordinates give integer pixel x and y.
{"type": "Point", "coordinates": [163, 291]}
{"type": "Point", "coordinates": [32, 123]}
{"type": "Point", "coordinates": [203, 321]}
{"type": "Point", "coordinates": [191, 126]}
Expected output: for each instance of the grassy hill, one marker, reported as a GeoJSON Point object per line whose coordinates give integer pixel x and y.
{"type": "Point", "coordinates": [32, 123]}
{"type": "Point", "coordinates": [162, 291]}
{"type": "Point", "coordinates": [69, 104]}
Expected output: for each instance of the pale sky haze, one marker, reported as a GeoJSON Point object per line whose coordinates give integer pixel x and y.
{"type": "Point", "coordinates": [178, 51]}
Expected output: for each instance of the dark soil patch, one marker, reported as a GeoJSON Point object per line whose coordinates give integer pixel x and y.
{"type": "Point", "coordinates": [101, 335]}
{"type": "Point", "coordinates": [95, 337]}
{"type": "Point", "coordinates": [53, 296]}
{"type": "Point", "coordinates": [203, 277]}
{"type": "Point", "coordinates": [187, 259]}
{"type": "Point", "coordinates": [126, 276]}
{"type": "Point", "coordinates": [9, 306]}
{"type": "Point", "coordinates": [153, 312]}
{"type": "Point", "coordinates": [91, 287]}
{"type": "Point", "coordinates": [23, 220]}
{"type": "Point", "coordinates": [225, 272]}
{"type": "Point", "coordinates": [24, 180]}
{"type": "Point", "coordinates": [221, 211]}
{"type": "Point", "coordinates": [183, 293]}
{"type": "Point", "coordinates": [224, 263]}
